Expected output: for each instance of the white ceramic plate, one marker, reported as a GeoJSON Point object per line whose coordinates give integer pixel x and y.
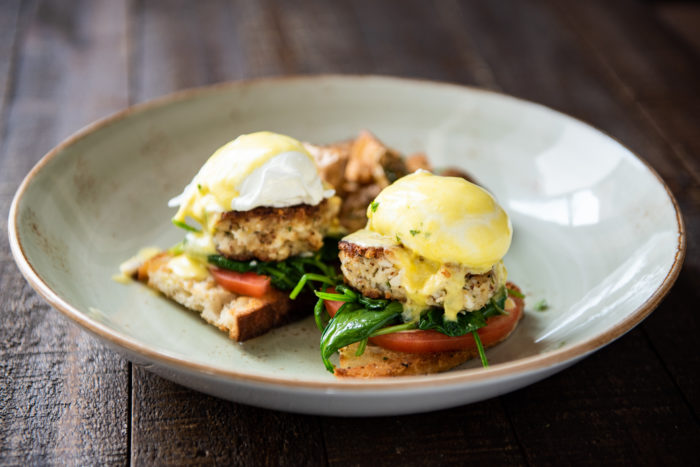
{"type": "Point", "coordinates": [597, 233]}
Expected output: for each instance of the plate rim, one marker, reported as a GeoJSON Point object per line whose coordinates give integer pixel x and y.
{"type": "Point", "coordinates": [519, 366]}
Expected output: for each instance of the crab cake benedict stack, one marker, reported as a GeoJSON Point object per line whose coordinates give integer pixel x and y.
{"type": "Point", "coordinates": [425, 285]}
{"type": "Point", "coordinates": [256, 215]}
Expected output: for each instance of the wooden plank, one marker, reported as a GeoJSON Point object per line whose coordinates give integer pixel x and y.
{"type": "Point", "coordinates": [9, 26]}
{"type": "Point", "coordinates": [615, 407]}
{"type": "Point", "coordinates": [64, 396]}
{"type": "Point", "coordinates": [319, 37]}
{"type": "Point", "coordinates": [366, 38]}
{"type": "Point", "coordinates": [183, 44]}
{"type": "Point", "coordinates": [476, 434]}
{"type": "Point", "coordinates": [390, 46]}
{"type": "Point", "coordinates": [683, 18]}
{"type": "Point", "coordinates": [174, 425]}
{"type": "Point", "coordinates": [418, 39]}
{"type": "Point", "coordinates": [660, 77]}
{"type": "Point", "coordinates": [536, 56]}
{"type": "Point", "coordinates": [369, 38]}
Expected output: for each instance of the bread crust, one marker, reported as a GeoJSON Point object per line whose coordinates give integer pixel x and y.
{"type": "Point", "coordinates": [378, 362]}
{"type": "Point", "coordinates": [241, 317]}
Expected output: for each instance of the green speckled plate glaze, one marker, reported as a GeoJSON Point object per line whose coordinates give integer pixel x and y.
{"type": "Point", "coordinates": [597, 233]}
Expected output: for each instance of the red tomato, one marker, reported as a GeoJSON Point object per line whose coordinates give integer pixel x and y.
{"type": "Point", "coordinates": [244, 283]}
{"type": "Point", "coordinates": [418, 341]}
{"type": "Point", "coordinates": [332, 306]}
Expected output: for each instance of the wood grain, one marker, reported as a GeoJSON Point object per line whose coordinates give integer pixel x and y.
{"type": "Point", "coordinates": [9, 35]}
{"type": "Point", "coordinates": [617, 405]}
{"type": "Point", "coordinates": [174, 425]}
{"type": "Point", "coordinates": [64, 397]}
{"type": "Point", "coordinates": [538, 57]}
{"type": "Point", "coordinates": [480, 433]}
{"type": "Point", "coordinates": [183, 45]}
{"type": "Point", "coordinates": [657, 78]}
{"type": "Point", "coordinates": [683, 19]}
{"type": "Point", "coordinates": [565, 75]}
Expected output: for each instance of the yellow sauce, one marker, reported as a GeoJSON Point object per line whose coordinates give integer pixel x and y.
{"type": "Point", "coordinates": [188, 268]}
{"type": "Point", "coordinates": [438, 229]}
{"type": "Point", "coordinates": [129, 267]}
{"type": "Point", "coordinates": [216, 185]}
{"type": "Point", "coordinates": [443, 219]}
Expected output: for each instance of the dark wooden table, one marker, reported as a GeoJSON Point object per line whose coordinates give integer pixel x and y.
{"type": "Point", "coordinates": [631, 68]}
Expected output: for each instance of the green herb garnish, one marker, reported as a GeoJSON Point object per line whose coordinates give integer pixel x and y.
{"type": "Point", "coordinates": [414, 232]}
{"type": "Point", "coordinates": [373, 206]}
{"type": "Point", "coordinates": [515, 293]}
{"type": "Point", "coordinates": [542, 305]}
{"type": "Point", "coordinates": [178, 248]}
{"type": "Point", "coordinates": [185, 226]}
{"type": "Point", "coordinates": [480, 348]}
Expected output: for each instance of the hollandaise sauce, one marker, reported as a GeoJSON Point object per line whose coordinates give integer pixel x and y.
{"type": "Point", "coordinates": [257, 169]}
{"type": "Point", "coordinates": [443, 219]}
{"type": "Point", "coordinates": [439, 229]}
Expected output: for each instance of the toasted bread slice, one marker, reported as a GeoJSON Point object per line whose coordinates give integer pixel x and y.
{"type": "Point", "coordinates": [377, 362]}
{"type": "Point", "coordinates": [239, 316]}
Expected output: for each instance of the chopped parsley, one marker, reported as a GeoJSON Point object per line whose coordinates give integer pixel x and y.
{"type": "Point", "coordinates": [414, 232]}
{"type": "Point", "coordinates": [185, 226]}
{"type": "Point", "coordinates": [373, 206]}
{"type": "Point", "coordinates": [542, 305]}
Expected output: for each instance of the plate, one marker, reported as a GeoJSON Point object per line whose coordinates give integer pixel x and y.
{"type": "Point", "coordinates": [598, 235]}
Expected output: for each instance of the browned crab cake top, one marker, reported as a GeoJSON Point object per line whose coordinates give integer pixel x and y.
{"type": "Point", "coordinates": [274, 234]}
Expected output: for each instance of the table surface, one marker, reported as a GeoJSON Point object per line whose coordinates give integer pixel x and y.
{"type": "Point", "coordinates": [629, 67]}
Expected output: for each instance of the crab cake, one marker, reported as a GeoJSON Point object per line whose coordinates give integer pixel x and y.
{"type": "Point", "coordinates": [275, 234]}
{"type": "Point", "coordinates": [376, 269]}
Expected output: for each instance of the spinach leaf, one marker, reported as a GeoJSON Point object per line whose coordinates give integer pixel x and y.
{"type": "Point", "coordinates": [373, 303]}
{"type": "Point", "coordinates": [293, 273]}
{"type": "Point", "coordinates": [225, 263]}
{"type": "Point", "coordinates": [354, 323]}
{"type": "Point", "coordinates": [320, 315]}
{"type": "Point", "coordinates": [466, 322]}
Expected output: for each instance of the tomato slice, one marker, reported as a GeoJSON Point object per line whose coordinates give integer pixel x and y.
{"type": "Point", "coordinates": [332, 306]}
{"type": "Point", "coordinates": [419, 341]}
{"type": "Point", "coordinates": [244, 283]}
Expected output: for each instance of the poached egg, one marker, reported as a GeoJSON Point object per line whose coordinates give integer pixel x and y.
{"type": "Point", "coordinates": [253, 170]}
{"type": "Point", "coordinates": [436, 226]}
